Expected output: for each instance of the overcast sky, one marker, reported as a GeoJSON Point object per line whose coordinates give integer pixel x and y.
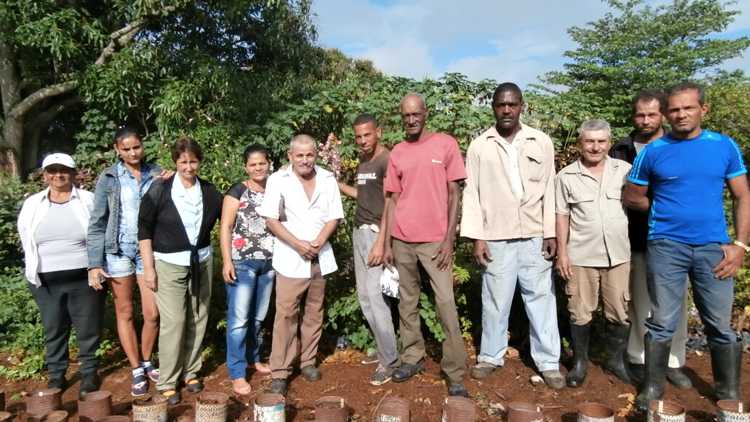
{"type": "Point", "coordinates": [426, 38]}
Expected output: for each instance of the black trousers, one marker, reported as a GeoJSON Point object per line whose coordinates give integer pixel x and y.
{"type": "Point", "coordinates": [65, 300]}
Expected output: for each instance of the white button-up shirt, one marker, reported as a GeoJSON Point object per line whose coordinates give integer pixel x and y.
{"type": "Point", "coordinates": [33, 211]}
{"type": "Point", "coordinates": [304, 218]}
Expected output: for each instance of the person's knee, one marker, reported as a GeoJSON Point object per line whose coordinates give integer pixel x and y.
{"type": "Point", "coordinates": [124, 311]}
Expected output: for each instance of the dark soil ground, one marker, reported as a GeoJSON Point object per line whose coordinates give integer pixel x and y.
{"type": "Point", "coordinates": [345, 376]}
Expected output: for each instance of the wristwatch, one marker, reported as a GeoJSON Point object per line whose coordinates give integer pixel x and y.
{"type": "Point", "coordinates": [742, 245]}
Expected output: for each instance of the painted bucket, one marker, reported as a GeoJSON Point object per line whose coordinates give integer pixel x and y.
{"type": "Point", "coordinates": [733, 411]}
{"type": "Point", "coordinates": [665, 411]}
{"type": "Point", "coordinates": [524, 412]}
{"type": "Point", "coordinates": [595, 412]}
{"type": "Point", "coordinates": [269, 407]}
{"type": "Point", "coordinates": [40, 402]}
{"type": "Point", "coordinates": [459, 409]}
{"type": "Point", "coordinates": [94, 406]}
{"type": "Point", "coordinates": [331, 409]}
{"type": "Point", "coordinates": [392, 409]}
{"type": "Point", "coordinates": [150, 409]}
{"type": "Point", "coordinates": [211, 407]}
{"type": "Point", "coordinates": [57, 416]}
{"type": "Point", "coordinates": [115, 418]}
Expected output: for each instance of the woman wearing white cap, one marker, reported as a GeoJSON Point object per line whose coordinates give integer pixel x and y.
{"type": "Point", "coordinates": [53, 225]}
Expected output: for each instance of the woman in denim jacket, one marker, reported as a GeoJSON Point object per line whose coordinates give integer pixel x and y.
{"type": "Point", "coordinates": [113, 251]}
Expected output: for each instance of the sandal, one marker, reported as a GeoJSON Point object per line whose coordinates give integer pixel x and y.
{"type": "Point", "coordinates": [262, 368]}
{"type": "Point", "coordinates": [172, 396]}
{"type": "Point", "coordinates": [194, 385]}
{"type": "Point", "coordinates": [241, 387]}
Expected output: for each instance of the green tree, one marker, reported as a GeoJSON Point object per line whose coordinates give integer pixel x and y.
{"type": "Point", "coordinates": [636, 46]}
{"type": "Point", "coordinates": [81, 68]}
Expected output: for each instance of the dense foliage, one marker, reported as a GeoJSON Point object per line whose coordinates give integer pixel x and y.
{"type": "Point", "coordinates": [233, 72]}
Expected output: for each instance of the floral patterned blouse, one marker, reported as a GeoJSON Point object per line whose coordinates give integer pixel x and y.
{"type": "Point", "coordinates": [250, 236]}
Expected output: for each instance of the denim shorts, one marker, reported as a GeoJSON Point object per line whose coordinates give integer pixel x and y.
{"type": "Point", "coordinates": [127, 262]}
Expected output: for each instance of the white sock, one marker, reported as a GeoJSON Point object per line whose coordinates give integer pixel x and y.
{"type": "Point", "coordinates": [138, 372]}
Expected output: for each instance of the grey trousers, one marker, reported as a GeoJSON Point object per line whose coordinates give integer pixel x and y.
{"type": "Point", "coordinates": [182, 322]}
{"type": "Point", "coordinates": [371, 299]}
{"type": "Point", "coordinates": [640, 309]}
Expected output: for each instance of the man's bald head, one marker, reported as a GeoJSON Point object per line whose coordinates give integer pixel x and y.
{"type": "Point", "coordinates": [415, 99]}
{"type": "Point", "coordinates": [413, 115]}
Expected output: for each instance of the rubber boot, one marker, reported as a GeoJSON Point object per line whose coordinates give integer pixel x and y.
{"type": "Point", "coordinates": [726, 362]}
{"type": "Point", "coordinates": [579, 336]}
{"type": "Point", "coordinates": [617, 342]}
{"type": "Point", "coordinates": [657, 358]}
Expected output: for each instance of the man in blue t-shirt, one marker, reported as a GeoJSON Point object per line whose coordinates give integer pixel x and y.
{"type": "Point", "coordinates": [686, 171]}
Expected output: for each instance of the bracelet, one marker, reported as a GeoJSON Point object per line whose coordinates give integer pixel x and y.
{"type": "Point", "coordinates": [742, 245]}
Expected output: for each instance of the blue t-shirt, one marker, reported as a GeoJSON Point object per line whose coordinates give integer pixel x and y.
{"type": "Point", "coordinates": [687, 179]}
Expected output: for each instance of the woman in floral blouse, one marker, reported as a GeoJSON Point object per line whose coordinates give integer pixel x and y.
{"type": "Point", "coordinates": [246, 247]}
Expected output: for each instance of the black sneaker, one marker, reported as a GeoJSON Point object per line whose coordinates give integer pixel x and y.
{"type": "Point", "coordinates": [406, 371]}
{"type": "Point", "coordinates": [89, 383]}
{"type": "Point", "coordinates": [457, 389]}
{"type": "Point", "coordinates": [278, 386]}
{"type": "Point", "coordinates": [311, 373]}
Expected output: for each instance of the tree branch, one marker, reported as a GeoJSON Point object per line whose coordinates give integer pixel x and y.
{"type": "Point", "coordinates": [42, 94]}
{"type": "Point", "coordinates": [125, 35]}
{"type": "Point", "coordinates": [44, 118]}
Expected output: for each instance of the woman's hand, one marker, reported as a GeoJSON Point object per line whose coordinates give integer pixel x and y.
{"type": "Point", "coordinates": [228, 272]}
{"type": "Point", "coordinates": [150, 279]}
{"type": "Point", "coordinates": [97, 277]}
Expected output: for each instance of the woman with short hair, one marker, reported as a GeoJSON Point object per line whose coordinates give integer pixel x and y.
{"type": "Point", "coordinates": [53, 227]}
{"type": "Point", "coordinates": [174, 236]}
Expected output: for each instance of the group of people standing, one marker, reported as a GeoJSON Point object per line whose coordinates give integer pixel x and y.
{"type": "Point", "coordinates": [631, 224]}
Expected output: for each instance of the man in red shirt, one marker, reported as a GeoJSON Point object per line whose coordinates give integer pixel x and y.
{"type": "Point", "coordinates": [422, 182]}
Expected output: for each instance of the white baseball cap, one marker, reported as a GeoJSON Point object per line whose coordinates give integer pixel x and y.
{"type": "Point", "coordinates": [59, 158]}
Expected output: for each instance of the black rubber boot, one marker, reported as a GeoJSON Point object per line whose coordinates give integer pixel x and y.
{"type": "Point", "coordinates": [579, 337]}
{"type": "Point", "coordinates": [657, 358]}
{"type": "Point", "coordinates": [617, 342]}
{"type": "Point", "coordinates": [726, 362]}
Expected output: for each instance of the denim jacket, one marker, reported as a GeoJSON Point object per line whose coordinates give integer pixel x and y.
{"type": "Point", "coordinates": [103, 234]}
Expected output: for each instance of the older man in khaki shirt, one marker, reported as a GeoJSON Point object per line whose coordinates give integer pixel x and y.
{"type": "Point", "coordinates": [509, 211]}
{"type": "Point", "coordinates": [593, 247]}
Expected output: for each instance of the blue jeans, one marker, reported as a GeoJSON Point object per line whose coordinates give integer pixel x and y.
{"type": "Point", "coordinates": [519, 261]}
{"type": "Point", "coordinates": [126, 263]}
{"type": "Point", "coordinates": [669, 265]}
{"type": "Point", "coordinates": [247, 301]}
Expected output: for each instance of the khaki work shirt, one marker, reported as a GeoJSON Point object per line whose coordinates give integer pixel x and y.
{"type": "Point", "coordinates": [491, 210]}
{"type": "Point", "coordinates": [598, 222]}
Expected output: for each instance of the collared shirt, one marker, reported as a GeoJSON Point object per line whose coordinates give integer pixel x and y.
{"type": "Point", "coordinates": [303, 217]}
{"type": "Point", "coordinates": [189, 204]}
{"type": "Point", "coordinates": [131, 192]}
{"type": "Point", "coordinates": [491, 210]}
{"type": "Point", "coordinates": [598, 222]}
{"type": "Point", "coordinates": [33, 211]}
{"type": "Point", "coordinates": [512, 169]}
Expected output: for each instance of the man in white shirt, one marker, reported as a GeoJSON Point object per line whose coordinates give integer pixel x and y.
{"type": "Point", "coordinates": [302, 207]}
